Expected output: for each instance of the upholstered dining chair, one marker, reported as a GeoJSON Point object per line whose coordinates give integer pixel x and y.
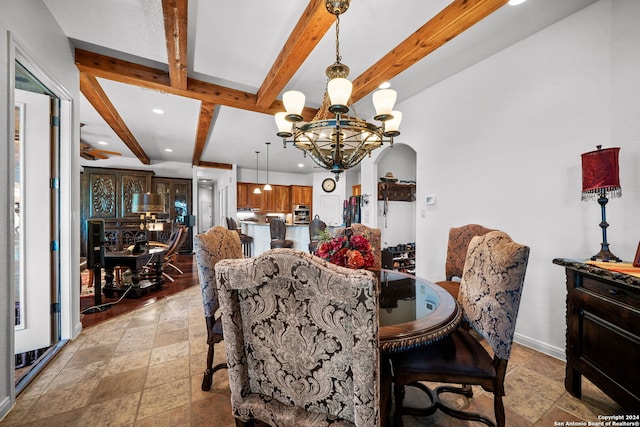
{"type": "Point", "coordinates": [301, 337]}
{"type": "Point", "coordinates": [374, 237]}
{"type": "Point", "coordinates": [245, 240]}
{"type": "Point", "coordinates": [459, 239]}
{"type": "Point", "coordinates": [490, 293]}
{"type": "Point", "coordinates": [315, 227]}
{"type": "Point", "coordinates": [216, 244]}
{"type": "Point", "coordinates": [278, 231]}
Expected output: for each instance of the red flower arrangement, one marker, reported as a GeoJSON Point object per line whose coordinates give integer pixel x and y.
{"type": "Point", "coordinates": [347, 251]}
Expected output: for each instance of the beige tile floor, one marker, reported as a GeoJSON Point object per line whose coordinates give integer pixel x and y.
{"type": "Point", "coordinates": [144, 369]}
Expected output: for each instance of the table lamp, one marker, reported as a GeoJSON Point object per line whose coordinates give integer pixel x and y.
{"type": "Point", "coordinates": [147, 204]}
{"type": "Point", "coordinates": [600, 178]}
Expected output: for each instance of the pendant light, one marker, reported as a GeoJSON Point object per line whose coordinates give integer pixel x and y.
{"type": "Point", "coordinates": [267, 186]}
{"type": "Point", "coordinates": [257, 189]}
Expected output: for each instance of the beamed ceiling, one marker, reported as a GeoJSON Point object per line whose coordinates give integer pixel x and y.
{"type": "Point", "coordinates": [218, 69]}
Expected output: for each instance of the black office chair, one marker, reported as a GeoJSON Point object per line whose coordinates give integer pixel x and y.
{"type": "Point", "coordinates": [278, 234]}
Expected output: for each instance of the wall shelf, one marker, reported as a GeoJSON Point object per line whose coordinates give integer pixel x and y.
{"type": "Point", "coordinates": [396, 192]}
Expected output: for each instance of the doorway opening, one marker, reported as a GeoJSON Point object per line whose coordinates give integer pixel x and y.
{"type": "Point", "coordinates": [36, 223]}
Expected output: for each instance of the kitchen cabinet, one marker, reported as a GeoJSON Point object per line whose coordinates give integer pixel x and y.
{"type": "Point", "coordinates": [242, 195]}
{"type": "Point", "coordinates": [277, 200]}
{"type": "Point", "coordinates": [301, 195]}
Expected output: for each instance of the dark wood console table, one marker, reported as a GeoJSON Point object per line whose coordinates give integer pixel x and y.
{"type": "Point", "coordinates": [603, 331]}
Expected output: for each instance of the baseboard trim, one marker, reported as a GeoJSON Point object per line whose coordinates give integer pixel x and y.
{"type": "Point", "coordinates": [5, 407]}
{"type": "Point", "coordinates": [558, 353]}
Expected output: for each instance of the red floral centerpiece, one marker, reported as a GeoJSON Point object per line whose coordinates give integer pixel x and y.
{"type": "Point", "coordinates": [347, 251]}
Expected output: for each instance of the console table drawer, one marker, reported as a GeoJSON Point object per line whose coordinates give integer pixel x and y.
{"type": "Point", "coordinates": [626, 296]}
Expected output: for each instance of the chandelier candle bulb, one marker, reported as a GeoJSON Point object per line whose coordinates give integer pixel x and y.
{"type": "Point", "coordinates": [339, 93]}
{"type": "Point", "coordinates": [284, 126]}
{"type": "Point", "coordinates": [393, 124]}
{"type": "Point", "coordinates": [383, 101]}
{"type": "Point", "coordinates": [294, 103]}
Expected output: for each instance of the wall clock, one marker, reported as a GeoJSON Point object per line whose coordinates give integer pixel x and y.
{"type": "Point", "coordinates": [328, 185]}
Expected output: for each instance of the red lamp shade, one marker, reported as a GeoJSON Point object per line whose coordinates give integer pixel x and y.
{"type": "Point", "coordinates": [600, 173]}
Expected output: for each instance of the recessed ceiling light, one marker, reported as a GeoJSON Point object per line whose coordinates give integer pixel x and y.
{"type": "Point", "coordinates": [300, 165]}
{"type": "Point", "coordinates": [384, 85]}
{"type": "Point", "coordinates": [516, 2]}
{"type": "Point", "coordinates": [103, 143]}
{"type": "Point", "coordinates": [168, 150]}
{"type": "Point", "coordinates": [158, 111]}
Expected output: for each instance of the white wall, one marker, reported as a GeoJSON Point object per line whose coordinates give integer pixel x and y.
{"type": "Point", "coordinates": [29, 25]}
{"type": "Point", "coordinates": [499, 144]}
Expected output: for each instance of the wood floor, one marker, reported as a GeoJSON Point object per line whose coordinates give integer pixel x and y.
{"type": "Point", "coordinates": [189, 278]}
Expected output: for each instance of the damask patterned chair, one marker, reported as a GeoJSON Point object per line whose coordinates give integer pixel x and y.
{"type": "Point", "coordinates": [216, 244]}
{"type": "Point", "coordinates": [301, 337]}
{"type": "Point", "coordinates": [459, 239]}
{"type": "Point", "coordinates": [490, 297]}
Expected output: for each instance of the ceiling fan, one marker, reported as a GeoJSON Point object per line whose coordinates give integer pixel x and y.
{"type": "Point", "coordinates": [88, 152]}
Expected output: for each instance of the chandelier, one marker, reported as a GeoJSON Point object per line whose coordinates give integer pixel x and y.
{"type": "Point", "coordinates": [335, 140]}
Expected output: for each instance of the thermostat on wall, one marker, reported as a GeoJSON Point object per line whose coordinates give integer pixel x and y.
{"type": "Point", "coordinates": [431, 200]}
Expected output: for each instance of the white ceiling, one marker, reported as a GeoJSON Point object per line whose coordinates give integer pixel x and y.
{"type": "Point", "coordinates": [234, 44]}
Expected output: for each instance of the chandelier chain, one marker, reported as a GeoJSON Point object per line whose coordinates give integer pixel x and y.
{"type": "Point", "coordinates": [338, 57]}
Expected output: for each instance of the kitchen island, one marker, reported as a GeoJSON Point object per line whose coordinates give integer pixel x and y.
{"type": "Point", "coordinates": [298, 233]}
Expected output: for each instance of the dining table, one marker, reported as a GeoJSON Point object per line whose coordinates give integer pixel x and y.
{"type": "Point", "coordinates": [413, 312]}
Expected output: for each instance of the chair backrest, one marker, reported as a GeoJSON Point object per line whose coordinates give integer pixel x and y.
{"type": "Point", "coordinates": [232, 224]}
{"type": "Point", "coordinates": [216, 244]}
{"type": "Point", "coordinates": [315, 227]}
{"type": "Point", "coordinates": [301, 336]}
{"type": "Point", "coordinates": [278, 229]}
{"type": "Point", "coordinates": [374, 237]}
{"type": "Point", "coordinates": [491, 287]}
{"type": "Point", "coordinates": [177, 240]}
{"type": "Point", "coordinates": [459, 239]}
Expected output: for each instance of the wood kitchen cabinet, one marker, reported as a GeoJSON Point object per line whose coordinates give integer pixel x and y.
{"type": "Point", "coordinates": [277, 200]}
{"type": "Point", "coordinates": [301, 195]}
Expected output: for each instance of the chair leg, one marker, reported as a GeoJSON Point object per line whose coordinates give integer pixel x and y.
{"type": "Point", "coordinates": [208, 373]}
{"type": "Point", "coordinates": [498, 408]}
{"type": "Point", "coordinates": [174, 267]}
{"type": "Point", "coordinates": [166, 276]}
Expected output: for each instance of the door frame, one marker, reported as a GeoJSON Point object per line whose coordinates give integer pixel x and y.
{"type": "Point", "coordinates": [69, 199]}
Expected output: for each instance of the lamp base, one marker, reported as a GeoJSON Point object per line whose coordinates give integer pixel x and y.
{"type": "Point", "coordinates": [605, 256]}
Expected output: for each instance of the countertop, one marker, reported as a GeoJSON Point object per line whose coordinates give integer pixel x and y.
{"type": "Point", "coordinates": [266, 223]}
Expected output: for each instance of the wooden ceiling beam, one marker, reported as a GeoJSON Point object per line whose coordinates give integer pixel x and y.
{"type": "Point", "coordinates": [216, 165]}
{"type": "Point", "coordinates": [204, 124]}
{"type": "Point", "coordinates": [459, 16]}
{"type": "Point", "coordinates": [94, 93]}
{"type": "Point", "coordinates": [151, 78]}
{"type": "Point", "coordinates": [175, 28]}
{"type": "Point", "coordinates": [311, 27]}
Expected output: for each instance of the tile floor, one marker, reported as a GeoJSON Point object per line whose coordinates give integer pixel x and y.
{"type": "Point", "coordinates": [144, 368]}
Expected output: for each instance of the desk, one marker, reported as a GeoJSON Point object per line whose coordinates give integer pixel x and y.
{"type": "Point", "coordinates": [413, 312]}
{"type": "Point", "coordinates": [135, 263]}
